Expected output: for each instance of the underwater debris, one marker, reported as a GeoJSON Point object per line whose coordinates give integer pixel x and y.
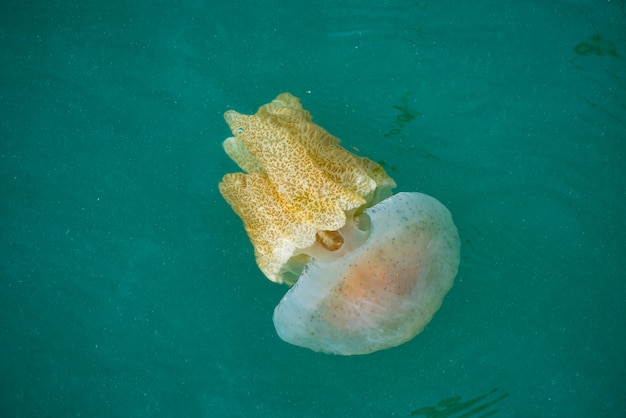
{"type": "Point", "coordinates": [404, 116]}
{"type": "Point", "coordinates": [595, 45]}
{"type": "Point", "coordinates": [449, 407]}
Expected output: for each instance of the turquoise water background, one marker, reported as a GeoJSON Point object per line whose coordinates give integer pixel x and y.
{"type": "Point", "coordinates": [129, 288]}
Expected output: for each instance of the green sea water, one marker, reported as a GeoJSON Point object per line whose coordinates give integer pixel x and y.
{"type": "Point", "coordinates": [129, 288]}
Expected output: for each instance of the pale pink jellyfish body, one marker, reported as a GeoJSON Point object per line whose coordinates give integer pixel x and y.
{"type": "Point", "coordinates": [383, 293]}
{"type": "Point", "coordinates": [368, 271]}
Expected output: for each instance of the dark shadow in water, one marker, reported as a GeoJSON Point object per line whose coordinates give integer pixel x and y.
{"type": "Point", "coordinates": [596, 45]}
{"type": "Point", "coordinates": [450, 407]}
{"type": "Point", "coordinates": [476, 232]}
{"type": "Point", "coordinates": [404, 115]}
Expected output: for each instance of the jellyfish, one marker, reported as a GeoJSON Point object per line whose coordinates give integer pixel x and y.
{"type": "Point", "coordinates": [366, 269]}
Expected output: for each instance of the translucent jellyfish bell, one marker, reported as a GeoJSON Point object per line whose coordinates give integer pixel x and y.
{"type": "Point", "coordinates": [384, 292]}
{"type": "Point", "coordinates": [368, 271]}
